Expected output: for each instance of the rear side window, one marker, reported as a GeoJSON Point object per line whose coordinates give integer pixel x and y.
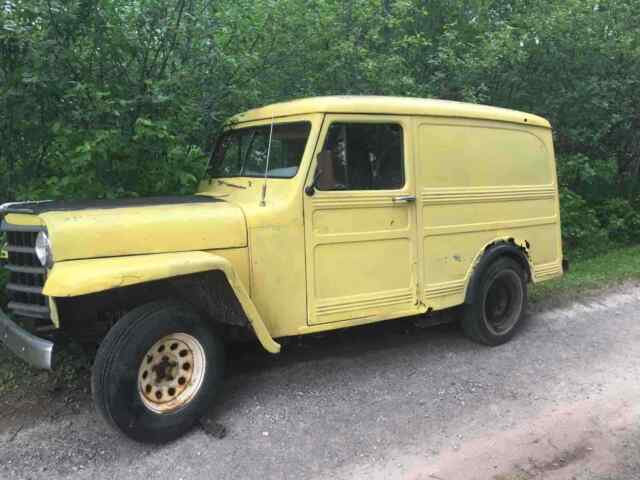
{"type": "Point", "coordinates": [365, 156]}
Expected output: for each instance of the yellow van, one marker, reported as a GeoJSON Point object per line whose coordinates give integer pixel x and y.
{"type": "Point", "coordinates": [315, 214]}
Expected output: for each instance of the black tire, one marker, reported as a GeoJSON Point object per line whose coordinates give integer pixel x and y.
{"type": "Point", "coordinates": [495, 314]}
{"type": "Point", "coordinates": [115, 376]}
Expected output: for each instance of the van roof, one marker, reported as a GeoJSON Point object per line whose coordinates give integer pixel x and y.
{"type": "Point", "coordinates": [390, 105]}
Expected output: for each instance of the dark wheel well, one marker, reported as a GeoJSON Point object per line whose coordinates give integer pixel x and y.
{"type": "Point", "coordinates": [493, 252]}
{"type": "Point", "coordinates": [88, 317]}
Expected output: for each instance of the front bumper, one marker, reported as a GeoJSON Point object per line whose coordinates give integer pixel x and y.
{"type": "Point", "coordinates": [33, 350]}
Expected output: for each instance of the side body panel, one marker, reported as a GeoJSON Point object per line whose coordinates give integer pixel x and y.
{"type": "Point", "coordinates": [479, 182]}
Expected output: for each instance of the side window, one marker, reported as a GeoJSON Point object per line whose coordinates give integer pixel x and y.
{"type": "Point", "coordinates": [365, 156]}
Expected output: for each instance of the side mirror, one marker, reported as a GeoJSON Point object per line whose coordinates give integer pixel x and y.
{"type": "Point", "coordinates": [323, 178]}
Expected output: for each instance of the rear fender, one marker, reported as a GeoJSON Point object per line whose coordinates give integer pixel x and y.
{"type": "Point", "coordinates": [513, 248]}
{"type": "Point", "coordinates": [82, 277]}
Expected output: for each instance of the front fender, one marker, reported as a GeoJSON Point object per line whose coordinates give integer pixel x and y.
{"type": "Point", "coordinates": [81, 277]}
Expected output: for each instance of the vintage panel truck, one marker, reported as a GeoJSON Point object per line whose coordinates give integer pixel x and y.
{"type": "Point", "coordinates": [315, 214]}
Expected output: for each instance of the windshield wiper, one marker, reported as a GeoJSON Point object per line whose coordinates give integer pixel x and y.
{"type": "Point", "coordinates": [229, 184]}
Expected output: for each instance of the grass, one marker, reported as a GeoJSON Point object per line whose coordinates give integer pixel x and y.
{"type": "Point", "coordinates": [591, 274]}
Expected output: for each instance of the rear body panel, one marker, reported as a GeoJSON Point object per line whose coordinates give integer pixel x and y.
{"type": "Point", "coordinates": [480, 182]}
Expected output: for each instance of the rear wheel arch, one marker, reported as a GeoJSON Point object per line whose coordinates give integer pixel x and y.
{"type": "Point", "coordinates": [510, 248]}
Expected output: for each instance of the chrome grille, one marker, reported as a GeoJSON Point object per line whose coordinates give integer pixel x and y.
{"type": "Point", "coordinates": [26, 274]}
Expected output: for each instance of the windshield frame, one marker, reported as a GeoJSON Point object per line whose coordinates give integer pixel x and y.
{"type": "Point", "coordinates": [254, 129]}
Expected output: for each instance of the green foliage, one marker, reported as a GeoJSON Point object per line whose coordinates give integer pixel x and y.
{"type": "Point", "coordinates": [595, 179]}
{"type": "Point", "coordinates": [581, 227]}
{"type": "Point", "coordinates": [620, 220]}
{"type": "Point", "coordinates": [588, 230]}
{"type": "Point", "coordinates": [123, 98]}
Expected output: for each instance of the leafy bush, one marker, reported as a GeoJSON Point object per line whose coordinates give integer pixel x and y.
{"type": "Point", "coordinates": [111, 163]}
{"type": "Point", "coordinates": [620, 220]}
{"type": "Point", "coordinates": [592, 177]}
{"type": "Point", "coordinates": [581, 229]}
{"type": "Point", "coordinates": [88, 86]}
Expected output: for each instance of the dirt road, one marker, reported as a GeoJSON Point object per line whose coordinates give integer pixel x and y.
{"type": "Point", "coordinates": [394, 401]}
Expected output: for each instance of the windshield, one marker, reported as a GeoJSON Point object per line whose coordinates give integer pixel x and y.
{"type": "Point", "coordinates": [243, 152]}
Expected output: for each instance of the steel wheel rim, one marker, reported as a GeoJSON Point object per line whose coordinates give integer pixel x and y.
{"type": "Point", "coordinates": [503, 303]}
{"type": "Point", "coordinates": [171, 373]}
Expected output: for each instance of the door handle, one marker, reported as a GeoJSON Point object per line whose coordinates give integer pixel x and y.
{"type": "Point", "coordinates": [404, 199]}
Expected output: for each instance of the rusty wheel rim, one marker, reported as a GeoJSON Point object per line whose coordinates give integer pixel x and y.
{"type": "Point", "coordinates": [171, 373]}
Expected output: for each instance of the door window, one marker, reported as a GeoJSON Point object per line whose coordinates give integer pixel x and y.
{"type": "Point", "coordinates": [365, 156]}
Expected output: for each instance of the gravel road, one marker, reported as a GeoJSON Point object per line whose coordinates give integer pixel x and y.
{"type": "Point", "coordinates": [390, 401]}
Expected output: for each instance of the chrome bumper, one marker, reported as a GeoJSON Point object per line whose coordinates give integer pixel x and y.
{"type": "Point", "coordinates": [33, 350]}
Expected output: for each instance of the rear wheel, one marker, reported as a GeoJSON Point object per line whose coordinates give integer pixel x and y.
{"type": "Point", "coordinates": [157, 372]}
{"type": "Point", "coordinates": [499, 304]}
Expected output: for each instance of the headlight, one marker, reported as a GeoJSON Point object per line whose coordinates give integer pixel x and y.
{"type": "Point", "coordinates": [43, 250]}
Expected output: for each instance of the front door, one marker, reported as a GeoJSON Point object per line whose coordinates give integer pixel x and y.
{"type": "Point", "coordinates": [360, 224]}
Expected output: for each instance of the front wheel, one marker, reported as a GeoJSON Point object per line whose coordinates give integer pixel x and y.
{"type": "Point", "coordinates": [157, 372]}
{"type": "Point", "coordinates": [499, 304]}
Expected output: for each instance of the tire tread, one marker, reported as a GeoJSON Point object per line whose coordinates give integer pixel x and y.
{"type": "Point", "coordinates": [107, 354]}
{"type": "Point", "coordinates": [471, 322]}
